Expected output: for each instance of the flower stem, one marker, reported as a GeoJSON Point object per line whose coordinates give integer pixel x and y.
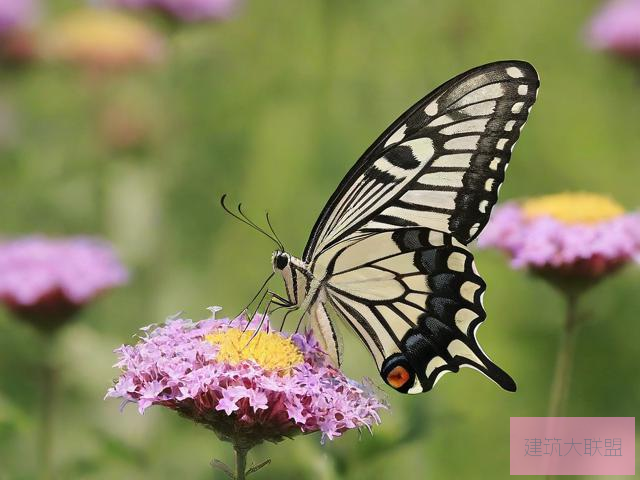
{"type": "Point", "coordinates": [49, 387]}
{"type": "Point", "coordinates": [564, 362]}
{"type": "Point", "coordinates": [241, 462]}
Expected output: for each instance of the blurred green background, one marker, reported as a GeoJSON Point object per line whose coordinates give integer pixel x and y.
{"type": "Point", "coordinates": [272, 106]}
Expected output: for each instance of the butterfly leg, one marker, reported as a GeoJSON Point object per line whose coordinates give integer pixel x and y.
{"type": "Point", "coordinates": [280, 300]}
{"type": "Point", "coordinates": [255, 311]}
{"type": "Point", "coordinates": [277, 301]}
{"type": "Point", "coordinates": [260, 290]}
{"type": "Point", "coordinates": [274, 299]}
{"type": "Point", "coordinates": [290, 307]}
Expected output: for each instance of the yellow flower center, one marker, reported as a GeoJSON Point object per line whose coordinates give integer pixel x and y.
{"type": "Point", "coordinates": [573, 207]}
{"type": "Point", "coordinates": [269, 350]}
{"type": "Point", "coordinates": [103, 35]}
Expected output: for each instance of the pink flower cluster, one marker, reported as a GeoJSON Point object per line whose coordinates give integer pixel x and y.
{"type": "Point", "coordinates": [616, 28]}
{"type": "Point", "coordinates": [173, 365]}
{"type": "Point", "coordinates": [185, 10]}
{"type": "Point", "coordinates": [547, 242]}
{"type": "Point", "coordinates": [75, 270]}
{"type": "Point", "coordinates": [16, 14]}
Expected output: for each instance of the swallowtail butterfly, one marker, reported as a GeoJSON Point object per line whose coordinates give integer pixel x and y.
{"type": "Point", "coordinates": [388, 253]}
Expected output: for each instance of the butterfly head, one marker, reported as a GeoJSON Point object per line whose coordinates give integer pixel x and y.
{"type": "Point", "coordinates": [280, 260]}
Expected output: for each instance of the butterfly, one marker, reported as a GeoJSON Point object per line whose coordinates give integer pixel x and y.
{"type": "Point", "coordinates": [388, 254]}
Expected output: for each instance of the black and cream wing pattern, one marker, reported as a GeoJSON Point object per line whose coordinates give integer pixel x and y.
{"type": "Point", "coordinates": [391, 242]}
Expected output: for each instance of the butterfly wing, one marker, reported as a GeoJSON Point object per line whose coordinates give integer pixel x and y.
{"type": "Point", "coordinates": [390, 243]}
{"type": "Point", "coordinates": [414, 297]}
{"type": "Point", "coordinates": [439, 165]}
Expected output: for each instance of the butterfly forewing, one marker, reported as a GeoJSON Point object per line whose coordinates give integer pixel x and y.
{"type": "Point", "coordinates": [440, 165]}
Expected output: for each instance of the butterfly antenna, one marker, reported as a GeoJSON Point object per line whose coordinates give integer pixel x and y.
{"type": "Point", "coordinates": [274, 232]}
{"type": "Point", "coordinates": [254, 225]}
{"type": "Point", "coordinates": [245, 220]}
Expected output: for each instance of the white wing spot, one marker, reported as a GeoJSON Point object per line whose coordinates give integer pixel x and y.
{"type": "Point", "coordinates": [482, 108]}
{"type": "Point", "coordinates": [456, 262]}
{"type": "Point", "coordinates": [488, 185]}
{"type": "Point", "coordinates": [523, 89]}
{"type": "Point", "coordinates": [436, 238]}
{"type": "Point", "coordinates": [517, 107]}
{"type": "Point", "coordinates": [463, 143]}
{"type": "Point", "coordinates": [457, 160]}
{"type": "Point", "coordinates": [514, 72]}
{"type": "Point", "coordinates": [397, 136]}
{"type": "Point", "coordinates": [443, 179]}
{"type": "Point", "coordinates": [494, 163]}
{"type": "Point", "coordinates": [463, 318]}
{"type": "Point", "coordinates": [509, 125]}
{"type": "Point", "coordinates": [468, 126]}
{"type": "Point", "coordinates": [473, 230]}
{"type": "Point", "coordinates": [468, 290]}
{"type": "Point", "coordinates": [487, 92]}
{"type": "Point", "coordinates": [483, 206]}
{"type": "Point", "coordinates": [431, 109]}
{"type": "Point", "coordinates": [501, 143]}
{"type": "Point", "coordinates": [431, 198]}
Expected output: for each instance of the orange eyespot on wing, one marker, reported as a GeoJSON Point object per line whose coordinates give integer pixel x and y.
{"type": "Point", "coordinates": [398, 377]}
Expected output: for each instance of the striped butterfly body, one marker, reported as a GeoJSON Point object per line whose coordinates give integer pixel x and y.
{"type": "Point", "coordinates": [388, 253]}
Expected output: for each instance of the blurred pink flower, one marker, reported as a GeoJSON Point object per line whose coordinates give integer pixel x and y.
{"type": "Point", "coordinates": [543, 236]}
{"type": "Point", "coordinates": [46, 280]}
{"type": "Point", "coordinates": [616, 28]}
{"type": "Point", "coordinates": [268, 389]}
{"type": "Point", "coordinates": [16, 15]}
{"type": "Point", "coordinates": [18, 41]}
{"type": "Point", "coordinates": [185, 10]}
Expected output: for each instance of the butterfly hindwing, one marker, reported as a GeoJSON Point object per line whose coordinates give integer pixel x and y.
{"type": "Point", "coordinates": [414, 298]}
{"type": "Point", "coordinates": [439, 165]}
